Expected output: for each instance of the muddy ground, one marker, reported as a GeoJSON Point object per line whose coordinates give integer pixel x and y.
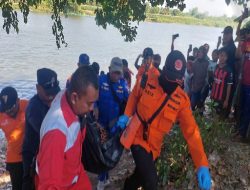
{"type": "Point", "coordinates": [230, 169]}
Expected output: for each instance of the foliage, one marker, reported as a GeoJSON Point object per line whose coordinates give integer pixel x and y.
{"type": "Point", "coordinates": [195, 13]}
{"type": "Point", "coordinates": [247, 24]}
{"type": "Point", "coordinates": [122, 14]}
{"type": "Point", "coordinates": [240, 2]}
{"type": "Point", "coordinates": [171, 165]}
{"type": "Point", "coordinates": [192, 17]}
{"type": "Point", "coordinates": [175, 162]}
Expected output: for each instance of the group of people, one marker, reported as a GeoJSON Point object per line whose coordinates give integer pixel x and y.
{"type": "Point", "coordinates": [224, 78]}
{"type": "Point", "coordinates": [46, 133]}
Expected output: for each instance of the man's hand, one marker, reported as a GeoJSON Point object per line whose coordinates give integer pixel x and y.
{"type": "Point", "coordinates": [219, 42]}
{"type": "Point", "coordinates": [204, 178]}
{"type": "Point", "coordinates": [189, 49]}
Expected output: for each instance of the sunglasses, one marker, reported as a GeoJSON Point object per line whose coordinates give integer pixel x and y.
{"type": "Point", "coordinates": [50, 84]}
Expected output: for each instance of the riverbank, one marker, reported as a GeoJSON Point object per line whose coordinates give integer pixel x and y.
{"type": "Point", "coordinates": [228, 160]}
{"type": "Point", "coordinates": [117, 175]}
{"type": "Point", "coordinates": [230, 169]}
{"type": "Point", "coordinates": [151, 16]}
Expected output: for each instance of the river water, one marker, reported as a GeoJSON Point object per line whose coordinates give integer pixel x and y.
{"type": "Point", "coordinates": [34, 47]}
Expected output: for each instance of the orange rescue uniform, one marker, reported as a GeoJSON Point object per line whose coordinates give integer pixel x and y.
{"type": "Point", "coordinates": [147, 101]}
{"type": "Point", "coordinates": [13, 129]}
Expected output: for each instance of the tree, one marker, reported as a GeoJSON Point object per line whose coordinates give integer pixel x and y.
{"type": "Point", "coordinates": [194, 12]}
{"type": "Point", "coordinates": [124, 15]}
{"type": "Point", "coordinates": [240, 2]}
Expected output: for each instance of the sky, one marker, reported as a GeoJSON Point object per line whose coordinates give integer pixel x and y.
{"type": "Point", "coordinates": [214, 7]}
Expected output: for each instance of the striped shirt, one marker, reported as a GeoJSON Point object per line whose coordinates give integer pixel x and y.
{"type": "Point", "coordinates": [222, 77]}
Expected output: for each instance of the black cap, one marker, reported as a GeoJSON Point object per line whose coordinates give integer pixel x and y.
{"type": "Point", "coordinates": [96, 67]}
{"type": "Point", "coordinates": [228, 30]}
{"type": "Point", "coordinates": [8, 98]}
{"type": "Point", "coordinates": [47, 78]}
{"type": "Point", "coordinates": [83, 59]}
{"type": "Point", "coordinates": [147, 52]}
{"type": "Point", "coordinates": [175, 66]}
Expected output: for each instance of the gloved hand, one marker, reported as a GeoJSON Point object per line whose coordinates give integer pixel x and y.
{"type": "Point", "coordinates": [204, 178]}
{"type": "Point", "coordinates": [122, 121]}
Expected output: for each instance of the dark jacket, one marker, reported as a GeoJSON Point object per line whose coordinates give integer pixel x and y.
{"type": "Point", "coordinates": [231, 49]}
{"type": "Point", "coordinates": [34, 116]}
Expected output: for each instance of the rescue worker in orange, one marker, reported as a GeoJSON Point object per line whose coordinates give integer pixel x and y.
{"type": "Point", "coordinates": [12, 122]}
{"type": "Point", "coordinates": [150, 66]}
{"type": "Point", "coordinates": [154, 110]}
{"type": "Point", "coordinates": [147, 63]}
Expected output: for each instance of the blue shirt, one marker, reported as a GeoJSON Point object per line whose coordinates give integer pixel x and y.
{"type": "Point", "coordinates": [108, 107]}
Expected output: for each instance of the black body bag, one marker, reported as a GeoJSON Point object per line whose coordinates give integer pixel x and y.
{"type": "Point", "coordinates": [100, 152]}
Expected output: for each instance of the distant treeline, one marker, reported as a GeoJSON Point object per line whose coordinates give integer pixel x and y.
{"type": "Point", "coordinates": [154, 14]}
{"type": "Point", "coordinates": [193, 16]}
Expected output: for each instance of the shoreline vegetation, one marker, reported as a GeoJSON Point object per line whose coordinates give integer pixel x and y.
{"type": "Point", "coordinates": [153, 14]}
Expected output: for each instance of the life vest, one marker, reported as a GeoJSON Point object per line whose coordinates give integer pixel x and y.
{"type": "Point", "coordinates": [144, 71]}
{"type": "Point", "coordinates": [13, 129]}
{"type": "Point", "coordinates": [146, 101]}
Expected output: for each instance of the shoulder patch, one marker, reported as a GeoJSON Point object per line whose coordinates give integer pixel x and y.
{"type": "Point", "coordinates": [178, 64]}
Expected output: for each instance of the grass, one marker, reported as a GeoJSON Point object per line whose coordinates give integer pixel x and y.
{"type": "Point", "coordinates": [175, 163]}
{"type": "Point", "coordinates": [188, 20]}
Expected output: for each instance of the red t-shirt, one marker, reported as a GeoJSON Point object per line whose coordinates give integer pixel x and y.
{"type": "Point", "coordinates": [246, 65]}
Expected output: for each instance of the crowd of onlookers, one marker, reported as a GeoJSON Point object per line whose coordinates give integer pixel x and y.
{"type": "Point", "coordinates": [45, 134]}
{"type": "Point", "coordinates": [225, 78]}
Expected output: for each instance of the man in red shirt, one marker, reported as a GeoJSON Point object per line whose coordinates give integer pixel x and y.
{"type": "Point", "coordinates": [245, 88]}
{"type": "Point", "coordinates": [62, 134]}
{"type": "Point", "coordinates": [12, 122]}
